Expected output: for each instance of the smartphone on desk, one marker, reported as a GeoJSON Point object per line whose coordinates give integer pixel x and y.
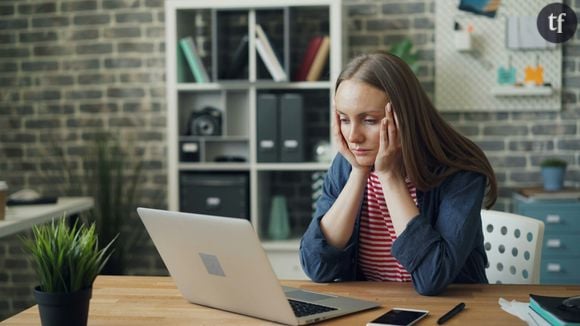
{"type": "Point", "coordinates": [399, 317]}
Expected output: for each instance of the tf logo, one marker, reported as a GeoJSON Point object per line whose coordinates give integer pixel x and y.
{"type": "Point", "coordinates": [557, 23]}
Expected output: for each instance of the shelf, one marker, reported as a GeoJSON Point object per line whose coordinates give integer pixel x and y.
{"type": "Point", "coordinates": [214, 138]}
{"type": "Point", "coordinates": [234, 85]}
{"type": "Point", "coordinates": [522, 91]}
{"type": "Point", "coordinates": [292, 85]}
{"type": "Point", "coordinates": [224, 32]}
{"type": "Point", "coordinates": [315, 166]}
{"type": "Point", "coordinates": [260, 166]}
{"type": "Point", "coordinates": [243, 85]}
{"type": "Point", "coordinates": [214, 166]}
{"type": "Point", "coordinates": [532, 194]}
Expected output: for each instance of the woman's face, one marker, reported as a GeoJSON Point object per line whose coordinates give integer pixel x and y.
{"type": "Point", "coordinates": [361, 108]}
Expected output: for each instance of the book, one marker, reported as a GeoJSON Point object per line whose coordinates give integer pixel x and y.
{"type": "Point", "coordinates": [269, 62]}
{"type": "Point", "coordinates": [308, 58]}
{"type": "Point", "coordinates": [268, 55]}
{"type": "Point", "coordinates": [182, 70]}
{"type": "Point", "coordinates": [239, 60]}
{"type": "Point", "coordinates": [551, 309]}
{"type": "Point", "coordinates": [192, 57]}
{"type": "Point", "coordinates": [533, 193]}
{"type": "Point", "coordinates": [320, 60]}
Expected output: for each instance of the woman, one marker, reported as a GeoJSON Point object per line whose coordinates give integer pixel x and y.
{"type": "Point", "coordinates": [402, 199]}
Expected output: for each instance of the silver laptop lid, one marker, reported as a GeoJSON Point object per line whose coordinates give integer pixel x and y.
{"type": "Point", "coordinates": [208, 270]}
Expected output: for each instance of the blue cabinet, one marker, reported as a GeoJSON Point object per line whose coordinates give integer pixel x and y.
{"type": "Point", "coordinates": [561, 249]}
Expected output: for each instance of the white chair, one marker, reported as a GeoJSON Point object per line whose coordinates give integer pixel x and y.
{"type": "Point", "coordinates": [513, 244]}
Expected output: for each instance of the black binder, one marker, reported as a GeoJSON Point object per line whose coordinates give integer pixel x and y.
{"type": "Point", "coordinates": [267, 128]}
{"type": "Point", "coordinates": [291, 128]}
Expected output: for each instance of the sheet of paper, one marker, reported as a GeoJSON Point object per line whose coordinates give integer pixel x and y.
{"type": "Point", "coordinates": [523, 311]}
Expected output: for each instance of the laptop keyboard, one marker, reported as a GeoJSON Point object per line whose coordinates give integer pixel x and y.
{"type": "Point", "coordinates": [302, 309]}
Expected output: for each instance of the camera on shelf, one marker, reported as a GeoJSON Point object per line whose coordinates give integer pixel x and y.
{"type": "Point", "coordinates": [205, 122]}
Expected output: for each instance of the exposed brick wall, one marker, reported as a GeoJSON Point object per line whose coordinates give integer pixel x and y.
{"type": "Point", "coordinates": [17, 277]}
{"type": "Point", "coordinates": [71, 68]}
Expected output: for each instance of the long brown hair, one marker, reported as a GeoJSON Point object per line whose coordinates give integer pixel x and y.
{"type": "Point", "coordinates": [432, 150]}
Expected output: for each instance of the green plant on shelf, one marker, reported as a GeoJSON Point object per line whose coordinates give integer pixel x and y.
{"type": "Point", "coordinates": [553, 162]}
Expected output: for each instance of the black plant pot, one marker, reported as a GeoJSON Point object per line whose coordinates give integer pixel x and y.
{"type": "Point", "coordinates": [63, 309]}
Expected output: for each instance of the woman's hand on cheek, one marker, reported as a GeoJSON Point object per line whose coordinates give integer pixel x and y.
{"type": "Point", "coordinates": [389, 157]}
{"type": "Point", "coordinates": [341, 142]}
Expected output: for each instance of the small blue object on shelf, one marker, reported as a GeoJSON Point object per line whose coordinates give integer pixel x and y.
{"type": "Point", "coordinates": [553, 177]}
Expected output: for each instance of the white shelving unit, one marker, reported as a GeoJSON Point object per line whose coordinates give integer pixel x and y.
{"type": "Point", "coordinates": [237, 98]}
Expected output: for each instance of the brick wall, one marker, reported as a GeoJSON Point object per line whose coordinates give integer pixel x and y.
{"type": "Point", "coordinates": [71, 68]}
{"type": "Point", "coordinates": [17, 277]}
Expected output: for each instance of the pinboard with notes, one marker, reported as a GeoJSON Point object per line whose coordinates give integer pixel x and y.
{"type": "Point", "coordinates": [498, 63]}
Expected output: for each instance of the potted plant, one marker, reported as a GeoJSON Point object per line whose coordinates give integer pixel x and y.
{"type": "Point", "coordinates": [66, 260]}
{"type": "Point", "coordinates": [404, 50]}
{"type": "Point", "coordinates": [553, 171]}
{"type": "Point", "coordinates": [113, 173]}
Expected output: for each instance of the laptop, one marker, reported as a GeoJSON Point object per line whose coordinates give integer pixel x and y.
{"type": "Point", "coordinates": [219, 262]}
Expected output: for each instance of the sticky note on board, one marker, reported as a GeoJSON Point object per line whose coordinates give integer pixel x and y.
{"type": "Point", "coordinates": [522, 34]}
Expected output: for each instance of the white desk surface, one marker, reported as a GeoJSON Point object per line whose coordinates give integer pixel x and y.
{"type": "Point", "coordinates": [20, 218]}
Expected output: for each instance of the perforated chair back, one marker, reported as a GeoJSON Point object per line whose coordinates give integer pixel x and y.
{"type": "Point", "coordinates": [513, 244]}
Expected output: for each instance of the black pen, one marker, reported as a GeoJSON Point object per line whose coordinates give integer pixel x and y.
{"type": "Point", "coordinates": [457, 309]}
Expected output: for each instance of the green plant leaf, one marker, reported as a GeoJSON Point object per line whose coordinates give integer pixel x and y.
{"type": "Point", "coordinates": [404, 50]}
{"type": "Point", "coordinates": [553, 162]}
{"type": "Point", "coordinates": [66, 259]}
{"type": "Point", "coordinates": [110, 172]}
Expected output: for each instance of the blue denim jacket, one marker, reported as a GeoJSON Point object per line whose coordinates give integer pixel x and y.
{"type": "Point", "coordinates": [442, 245]}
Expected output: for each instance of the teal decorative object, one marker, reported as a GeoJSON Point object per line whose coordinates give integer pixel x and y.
{"type": "Point", "coordinates": [279, 227]}
{"type": "Point", "coordinates": [506, 76]}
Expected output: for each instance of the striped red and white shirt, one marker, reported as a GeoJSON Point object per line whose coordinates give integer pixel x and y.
{"type": "Point", "coordinates": [377, 235]}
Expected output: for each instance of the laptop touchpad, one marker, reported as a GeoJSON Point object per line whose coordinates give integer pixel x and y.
{"type": "Point", "coordinates": [307, 296]}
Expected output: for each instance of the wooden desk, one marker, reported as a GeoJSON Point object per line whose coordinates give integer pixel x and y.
{"type": "Point", "coordinates": [20, 218]}
{"type": "Point", "coordinates": [141, 301]}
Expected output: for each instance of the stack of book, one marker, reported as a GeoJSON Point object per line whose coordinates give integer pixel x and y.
{"type": "Point", "coordinates": [314, 60]}
{"type": "Point", "coordinates": [555, 311]}
{"type": "Point", "coordinates": [311, 67]}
